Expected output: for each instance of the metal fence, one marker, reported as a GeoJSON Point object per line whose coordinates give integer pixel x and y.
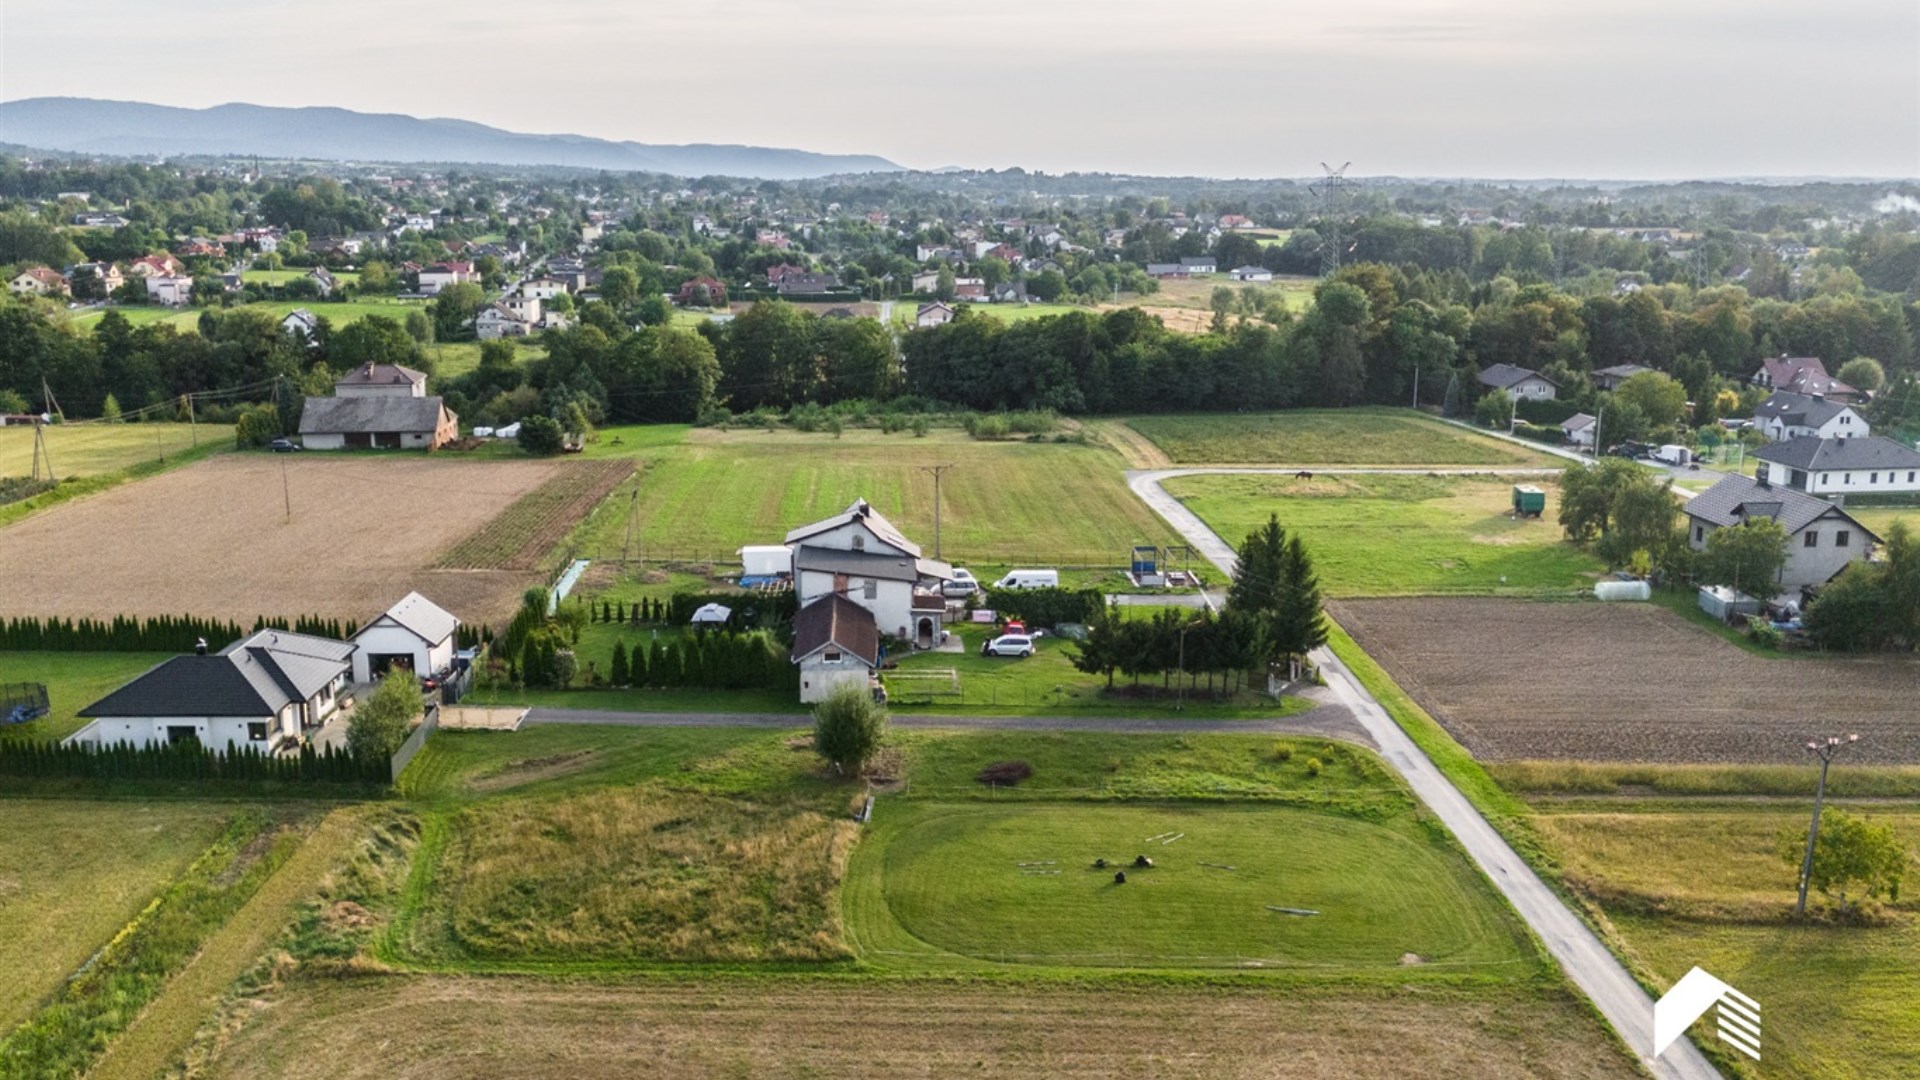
{"type": "Point", "coordinates": [404, 756]}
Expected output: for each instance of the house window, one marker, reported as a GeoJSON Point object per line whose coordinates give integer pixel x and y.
{"type": "Point", "coordinates": [831, 656]}
{"type": "Point", "coordinates": [870, 590]}
{"type": "Point", "coordinates": [1873, 478]}
{"type": "Point", "coordinates": [1849, 478]}
{"type": "Point", "coordinates": [1826, 478]}
{"type": "Point", "coordinates": [1812, 540]}
{"type": "Point", "coordinates": [1699, 534]}
{"type": "Point", "coordinates": [257, 732]}
{"type": "Point", "coordinates": [1840, 538]}
{"type": "Point", "coordinates": [859, 542]}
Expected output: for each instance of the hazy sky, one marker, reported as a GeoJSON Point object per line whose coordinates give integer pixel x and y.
{"type": "Point", "coordinates": [1506, 88]}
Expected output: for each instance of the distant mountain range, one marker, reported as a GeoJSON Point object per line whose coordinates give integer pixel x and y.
{"type": "Point", "coordinates": [129, 128]}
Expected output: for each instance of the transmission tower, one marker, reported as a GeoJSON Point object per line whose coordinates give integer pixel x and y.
{"type": "Point", "coordinates": [1331, 191]}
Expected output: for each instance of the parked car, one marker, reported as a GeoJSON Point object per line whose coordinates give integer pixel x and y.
{"type": "Point", "coordinates": [962, 583]}
{"type": "Point", "coordinates": [283, 446]}
{"type": "Point", "coordinates": [1016, 645]}
{"type": "Point", "coordinates": [1029, 579]}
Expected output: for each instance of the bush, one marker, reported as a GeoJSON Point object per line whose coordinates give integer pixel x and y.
{"type": "Point", "coordinates": [1314, 766]}
{"type": "Point", "coordinates": [1048, 607]}
{"type": "Point", "coordinates": [713, 416]}
{"type": "Point", "coordinates": [921, 425]}
{"type": "Point", "coordinates": [848, 728]}
{"type": "Point", "coordinates": [1005, 773]}
{"type": "Point", "coordinates": [257, 426]}
{"type": "Point", "coordinates": [541, 435]}
{"type": "Point", "coordinates": [380, 724]}
{"type": "Point", "coordinates": [1282, 753]}
{"type": "Point", "coordinates": [1763, 633]}
{"type": "Point", "coordinates": [988, 425]}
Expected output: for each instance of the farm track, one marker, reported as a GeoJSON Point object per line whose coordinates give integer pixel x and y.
{"type": "Point", "coordinates": [520, 536]}
{"type": "Point", "coordinates": [1514, 680]}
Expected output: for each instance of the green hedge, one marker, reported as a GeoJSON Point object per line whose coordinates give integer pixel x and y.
{"type": "Point", "coordinates": [187, 760]}
{"type": "Point", "coordinates": [1048, 607]}
{"type": "Point", "coordinates": [1544, 412]}
{"type": "Point", "coordinates": [715, 660]}
{"type": "Point", "coordinates": [164, 633]}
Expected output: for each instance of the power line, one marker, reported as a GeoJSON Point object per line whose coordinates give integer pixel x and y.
{"type": "Point", "coordinates": [1330, 192]}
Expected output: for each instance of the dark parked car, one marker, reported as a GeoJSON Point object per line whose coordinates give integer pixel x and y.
{"type": "Point", "coordinates": [283, 446]}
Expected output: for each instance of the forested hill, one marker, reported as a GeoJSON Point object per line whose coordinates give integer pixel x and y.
{"type": "Point", "coordinates": [84, 125]}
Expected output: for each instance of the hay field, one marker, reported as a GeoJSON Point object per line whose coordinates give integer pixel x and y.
{"type": "Point", "coordinates": [1518, 680]}
{"type": "Point", "coordinates": [72, 873]}
{"type": "Point", "coordinates": [1363, 436]}
{"type": "Point", "coordinates": [214, 539]}
{"type": "Point", "coordinates": [92, 449]}
{"type": "Point", "coordinates": [715, 1028]}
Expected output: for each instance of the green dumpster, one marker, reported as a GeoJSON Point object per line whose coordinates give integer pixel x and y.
{"type": "Point", "coordinates": [1528, 501]}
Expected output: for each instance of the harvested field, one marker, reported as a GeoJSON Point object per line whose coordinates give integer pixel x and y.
{"type": "Point", "coordinates": [523, 533]}
{"type": "Point", "coordinates": [1515, 679]}
{"type": "Point", "coordinates": [438, 1027]}
{"type": "Point", "coordinates": [214, 539]}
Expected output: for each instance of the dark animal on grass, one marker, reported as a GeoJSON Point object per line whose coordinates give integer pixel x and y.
{"type": "Point", "coordinates": [1142, 861]}
{"type": "Point", "coordinates": [1120, 877]}
{"type": "Point", "coordinates": [1303, 475]}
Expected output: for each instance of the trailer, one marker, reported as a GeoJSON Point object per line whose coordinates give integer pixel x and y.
{"type": "Point", "coordinates": [1529, 501]}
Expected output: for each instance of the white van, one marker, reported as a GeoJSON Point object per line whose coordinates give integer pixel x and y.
{"type": "Point", "coordinates": [1029, 579]}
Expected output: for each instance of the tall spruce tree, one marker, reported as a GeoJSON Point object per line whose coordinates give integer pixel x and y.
{"type": "Point", "coordinates": [1299, 625]}
{"type": "Point", "coordinates": [617, 672]}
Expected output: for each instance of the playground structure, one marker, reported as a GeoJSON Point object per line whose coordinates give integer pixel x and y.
{"type": "Point", "coordinates": [1172, 566]}
{"type": "Point", "coordinates": [21, 702]}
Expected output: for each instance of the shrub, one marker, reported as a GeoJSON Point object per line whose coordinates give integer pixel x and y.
{"type": "Point", "coordinates": [713, 416]}
{"type": "Point", "coordinates": [921, 425]}
{"type": "Point", "coordinates": [380, 724]}
{"type": "Point", "coordinates": [848, 728]}
{"type": "Point", "coordinates": [988, 425]}
{"type": "Point", "coordinates": [1005, 772]}
{"type": "Point", "coordinates": [1763, 633]}
{"type": "Point", "coordinates": [541, 435]}
{"type": "Point", "coordinates": [1282, 752]}
{"type": "Point", "coordinates": [1314, 766]}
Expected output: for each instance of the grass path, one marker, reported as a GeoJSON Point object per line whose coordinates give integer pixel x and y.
{"type": "Point", "coordinates": [166, 1026]}
{"type": "Point", "coordinates": [1140, 451]}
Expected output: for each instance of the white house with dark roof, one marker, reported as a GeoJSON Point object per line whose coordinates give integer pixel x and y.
{"type": "Point", "coordinates": [260, 692]}
{"type": "Point", "coordinates": [1578, 429]}
{"type": "Point", "coordinates": [378, 406]}
{"type": "Point", "coordinates": [415, 633]}
{"type": "Point", "coordinates": [1863, 466]}
{"type": "Point", "coordinates": [1610, 378]}
{"type": "Point", "coordinates": [835, 643]}
{"type": "Point", "coordinates": [1519, 382]}
{"type": "Point", "coordinates": [1787, 415]}
{"type": "Point", "coordinates": [1821, 537]}
{"type": "Point", "coordinates": [860, 555]}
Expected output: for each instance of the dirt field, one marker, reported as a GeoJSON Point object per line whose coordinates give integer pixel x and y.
{"type": "Point", "coordinates": [213, 539]}
{"type": "Point", "coordinates": [1514, 679]}
{"type": "Point", "coordinates": [437, 1027]}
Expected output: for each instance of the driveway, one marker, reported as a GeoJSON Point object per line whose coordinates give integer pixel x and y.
{"type": "Point", "coordinates": [1579, 952]}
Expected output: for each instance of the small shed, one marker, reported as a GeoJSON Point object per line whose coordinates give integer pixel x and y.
{"type": "Point", "coordinates": [1528, 500]}
{"type": "Point", "coordinates": [712, 615]}
{"type": "Point", "coordinates": [1145, 566]}
{"type": "Point", "coordinates": [1727, 604]}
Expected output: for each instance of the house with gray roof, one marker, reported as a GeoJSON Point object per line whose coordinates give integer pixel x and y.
{"type": "Point", "coordinates": [260, 692]}
{"type": "Point", "coordinates": [1803, 375]}
{"type": "Point", "coordinates": [1519, 382]}
{"type": "Point", "coordinates": [415, 634]}
{"type": "Point", "coordinates": [1610, 378]}
{"type": "Point", "coordinates": [1821, 537]}
{"type": "Point", "coordinates": [1840, 467]}
{"type": "Point", "coordinates": [1789, 415]}
{"type": "Point", "coordinates": [377, 422]}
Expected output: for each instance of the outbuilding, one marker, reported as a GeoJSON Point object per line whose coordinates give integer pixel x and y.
{"type": "Point", "coordinates": [835, 643]}
{"type": "Point", "coordinates": [415, 633]}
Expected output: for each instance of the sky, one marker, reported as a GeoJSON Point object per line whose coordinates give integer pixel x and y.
{"type": "Point", "coordinates": [1626, 89]}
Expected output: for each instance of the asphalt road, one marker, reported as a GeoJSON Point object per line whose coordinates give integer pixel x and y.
{"type": "Point", "coordinates": [1580, 954]}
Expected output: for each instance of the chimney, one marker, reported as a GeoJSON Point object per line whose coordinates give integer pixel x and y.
{"type": "Point", "coordinates": [200, 647]}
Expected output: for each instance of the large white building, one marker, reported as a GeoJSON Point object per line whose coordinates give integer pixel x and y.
{"type": "Point", "coordinates": [857, 578]}
{"type": "Point", "coordinates": [1787, 415]}
{"type": "Point", "coordinates": [1862, 466]}
{"type": "Point", "coordinates": [261, 692]}
{"type": "Point", "coordinates": [415, 633]}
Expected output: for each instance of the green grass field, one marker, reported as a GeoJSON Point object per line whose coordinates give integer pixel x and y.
{"type": "Point", "coordinates": [338, 313]}
{"type": "Point", "coordinates": [1702, 886]}
{"type": "Point", "coordinates": [72, 873]}
{"type": "Point", "coordinates": [1369, 436]}
{"type": "Point", "coordinates": [1016, 884]}
{"type": "Point", "coordinates": [1019, 503]}
{"type": "Point", "coordinates": [93, 449]}
{"type": "Point", "coordinates": [1881, 518]}
{"type": "Point", "coordinates": [281, 277]}
{"type": "Point", "coordinates": [1197, 293]}
{"type": "Point", "coordinates": [1400, 535]}
{"type": "Point", "coordinates": [452, 359]}
{"type": "Point", "coordinates": [74, 680]}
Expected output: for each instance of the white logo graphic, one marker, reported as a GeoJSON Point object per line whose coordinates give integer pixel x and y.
{"type": "Point", "coordinates": [1738, 1015]}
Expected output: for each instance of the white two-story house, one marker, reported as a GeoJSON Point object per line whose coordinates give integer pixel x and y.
{"type": "Point", "coordinates": [1821, 537]}
{"type": "Point", "coordinates": [1519, 382]}
{"type": "Point", "coordinates": [1841, 467]}
{"type": "Point", "coordinates": [1787, 415]}
{"type": "Point", "coordinates": [856, 576]}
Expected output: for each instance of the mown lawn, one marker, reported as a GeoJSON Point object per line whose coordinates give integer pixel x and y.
{"type": "Point", "coordinates": [72, 873]}
{"type": "Point", "coordinates": [1686, 887]}
{"type": "Point", "coordinates": [705, 493]}
{"type": "Point", "coordinates": [1367, 436]}
{"type": "Point", "coordinates": [74, 680]}
{"type": "Point", "coordinates": [1018, 884]}
{"type": "Point", "coordinates": [1401, 535]}
{"type": "Point", "coordinates": [92, 449]}
{"type": "Point", "coordinates": [338, 313]}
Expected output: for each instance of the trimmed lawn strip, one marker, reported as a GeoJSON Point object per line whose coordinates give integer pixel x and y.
{"type": "Point", "coordinates": [74, 680]}
{"type": "Point", "coordinates": [1357, 436]}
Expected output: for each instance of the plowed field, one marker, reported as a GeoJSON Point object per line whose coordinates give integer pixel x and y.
{"type": "Point", "coordinates": [216, 539]}
{"type": "Point", "coordinates": [1516, 679]}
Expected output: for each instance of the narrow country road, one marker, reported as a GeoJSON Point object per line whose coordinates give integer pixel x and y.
{"type": "Point", "coordinates": [1580, 953]}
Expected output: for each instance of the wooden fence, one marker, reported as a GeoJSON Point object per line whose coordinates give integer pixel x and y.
{"type": "Point", "coordinates": [403, 756]}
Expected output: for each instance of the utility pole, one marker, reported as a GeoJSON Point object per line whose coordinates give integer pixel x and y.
{"type": "Point", "coordinates": [1329, 191]}
{"type": "Point", "coordinates": [1826, 750]}
{"type": "Point", "coordinates": [937, 471]}
{"type": "Point", "coordinates": [626, 550]}
{"type": "Point", "coordinates": [286, 490]}
{"type": "Point", "coordinates": [41, 459]}
{"type": "Point", "coordinates": [1416, 384]}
